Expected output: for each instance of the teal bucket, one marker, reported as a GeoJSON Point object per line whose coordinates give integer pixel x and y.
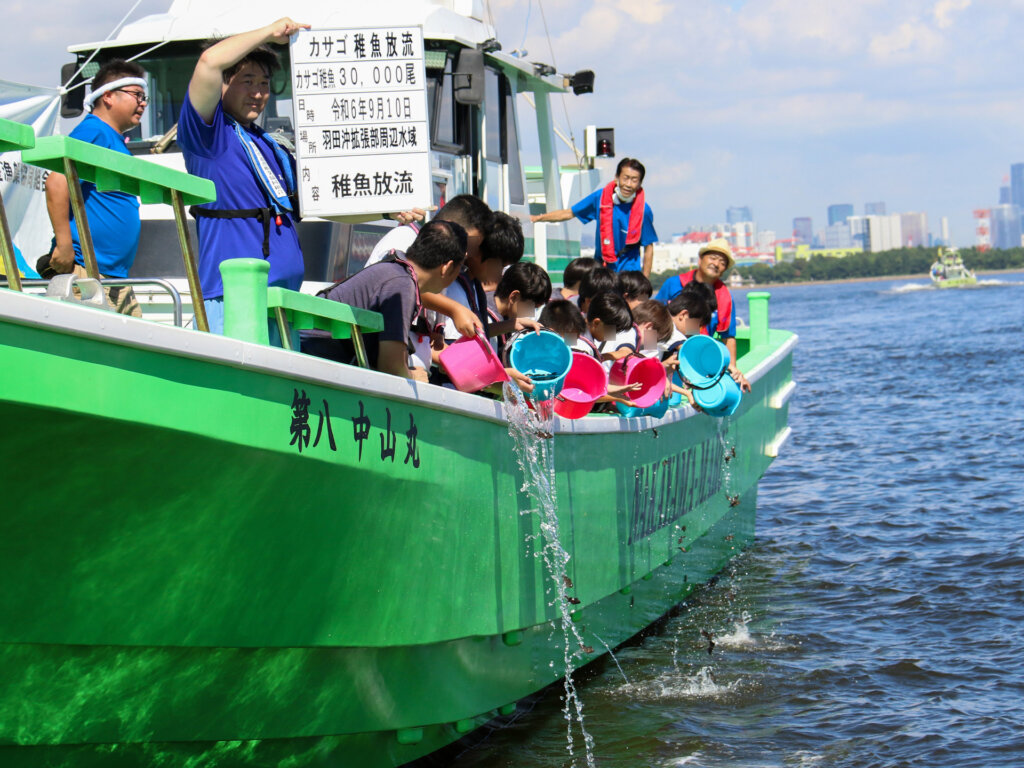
{"type": "Point", "coordinates": [545, 359]}
{"type": "Point", "coordinates": [655, 411]}
{"type": "Point", "coordinates": [721, 398]}
{"type": "Point", "coordinates": [702, 360]}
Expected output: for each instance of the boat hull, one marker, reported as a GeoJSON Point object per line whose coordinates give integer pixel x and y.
{"type": "Point", "coordinates": [226, 551]}
{"type": "Point", "coordinates": [956, 282]}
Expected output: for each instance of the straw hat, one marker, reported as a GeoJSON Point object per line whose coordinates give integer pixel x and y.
{"type": "Point", "coordinates": [719, 245]}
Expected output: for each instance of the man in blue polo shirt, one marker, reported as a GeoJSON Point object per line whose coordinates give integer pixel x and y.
{"type": "Point", "coordinates": [254, 214]}
{"type": "Point", "coordinates": [630, 226]}
{"type": "Point", "coordinates": [117, 101]}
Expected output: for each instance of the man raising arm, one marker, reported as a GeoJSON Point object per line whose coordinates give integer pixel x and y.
{"type": "Point", "coordinates": [254, 214]}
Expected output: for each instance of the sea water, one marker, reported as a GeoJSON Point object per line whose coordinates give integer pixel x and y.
{"type": "Point", "coordinates": [877, 619]}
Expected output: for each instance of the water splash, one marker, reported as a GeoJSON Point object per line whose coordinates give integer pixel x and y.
{"type": "Point", "coordinates": [532, 435]}
{"type": "Point", "coordinates": [699, 685]}
{"type": "Point", "coordinates": [740, 636]}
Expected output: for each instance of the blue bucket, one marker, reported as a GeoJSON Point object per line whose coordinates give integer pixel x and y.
{"type": "Point", "coordinates": [720, 399]}
{"type": "Point", "coordinates": [675, 399]}
{"type": "Point", "coordinates": [655, 411]}
{"type": "Point", "coordinates": [702, 360]}
{"type": "Point", "coordinates": [545, 358]}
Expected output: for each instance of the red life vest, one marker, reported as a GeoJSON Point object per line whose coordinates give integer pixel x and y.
{"type": "Point", "coordinates": [722, 296]}
{"type": "Point", "coordinates": [606, 230]}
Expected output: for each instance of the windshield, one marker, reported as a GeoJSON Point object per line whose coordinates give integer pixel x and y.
{"type": "Point", "coordinates": [168, 74]}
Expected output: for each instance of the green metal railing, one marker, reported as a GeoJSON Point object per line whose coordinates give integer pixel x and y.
{"type": "Point", "coordinates": [114, 171]}
{"type": "Point", "coordinates": [13, 136]}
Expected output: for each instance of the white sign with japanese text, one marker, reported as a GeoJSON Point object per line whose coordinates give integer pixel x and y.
{"type": "Point", "coordinates": [362, 140]}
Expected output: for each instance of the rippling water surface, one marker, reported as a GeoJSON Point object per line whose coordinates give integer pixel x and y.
{"type": "Point", "coordinates": [879, 618]}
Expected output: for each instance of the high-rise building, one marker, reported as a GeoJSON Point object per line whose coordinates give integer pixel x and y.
{"type": "Point", "coordinates": [803, 232]}
{"type": "Point", "coordinates": [737, 213]}
{"type": "Point", "coordinates": [859, 235]}
{"type": "Point", "coordinates": [945, 231]}
{"type": "Point", "coordinates": [876, 233]}
{"type": "Point", "coordinates": [914, 229]}
{"type": "Point", "coordinates": [874, 209]}
{"type": "Point", "coordinates": [838, 236]}
{"type": "Point", "coordinates": [1005, 196]}
{"type": "Point", "coordinates": [839, 213]}
{"type": "Point", "coordinates": [886, 232]}
{"type": "Point", "coordinates": [1016, 185]}
{"type": "Point", "coordinates": [1005, 226]}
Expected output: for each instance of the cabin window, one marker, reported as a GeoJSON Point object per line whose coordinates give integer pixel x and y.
{"type": "Point", "coordinates": [440, 98]}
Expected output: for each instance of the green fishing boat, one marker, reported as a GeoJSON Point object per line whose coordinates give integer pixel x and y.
{"type": "Point", "coordinates": [214, 552]}
{"type": "Point", "coordinates": [949, 271]}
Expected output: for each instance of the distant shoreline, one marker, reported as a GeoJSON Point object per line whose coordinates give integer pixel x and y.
{"type": "Point", "coordinates": [872, 279]}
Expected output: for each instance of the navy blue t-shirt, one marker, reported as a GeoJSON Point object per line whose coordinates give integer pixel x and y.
{"type": "Point", "coordinates": [113, 216]}
{"type": "Point", "coordinates": [215, 152]}
{"type": "Point", "coordinates": [589, 208]}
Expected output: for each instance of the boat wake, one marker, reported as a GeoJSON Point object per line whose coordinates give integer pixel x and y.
{"type": "Point", "coordinates": [914, 287]}
{"type": "Point", "coordinates": [911, 288]}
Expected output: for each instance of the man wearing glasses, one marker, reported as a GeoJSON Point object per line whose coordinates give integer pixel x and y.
{"type": "Point", "coordinates": [117, 101]}
{"type": "Point", "coordinates": [714, 260]}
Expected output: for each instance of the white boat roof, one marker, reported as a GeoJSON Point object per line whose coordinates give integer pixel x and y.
{"type": "Point", "coordinates": [457, 20]}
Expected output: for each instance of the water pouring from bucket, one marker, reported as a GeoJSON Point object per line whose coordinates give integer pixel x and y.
{"type": "Point", "coordinates": [543, 357]}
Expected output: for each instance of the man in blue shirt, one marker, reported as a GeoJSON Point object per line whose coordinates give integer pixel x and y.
{"type": "Point", "coordinates": [254, 214]}
{"type": "Point", "coordinates": [117, 100]}
{"type": "Point", "coordinates": [631, 227]}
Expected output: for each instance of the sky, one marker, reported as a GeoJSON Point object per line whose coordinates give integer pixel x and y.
{"type": "Point", "coordinates": [785, 106]}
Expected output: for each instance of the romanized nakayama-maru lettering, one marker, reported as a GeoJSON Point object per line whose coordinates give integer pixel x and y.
{"type": "Point", "coordinates": [303, 438]}
{"type": "Point", "coordinates": [668, 489]}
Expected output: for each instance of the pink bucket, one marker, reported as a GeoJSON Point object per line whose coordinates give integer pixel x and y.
{"type": "Point", "coordinates": [648, 371]}
{"type": "Point", "coordinates": [471, 364]}
{"type": "Point", "coordinates": [584, 383]}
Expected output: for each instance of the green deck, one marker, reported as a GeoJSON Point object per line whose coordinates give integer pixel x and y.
{"type": "Point", "coordinates": [181, 581]}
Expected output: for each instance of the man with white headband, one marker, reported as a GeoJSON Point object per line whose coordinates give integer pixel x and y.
{"type": "Point", "coordinates": [254, 215]}
{"type": "Point", "coordinates": [117, 101]}
{"type": "Point", "coordinates": [625, 223]}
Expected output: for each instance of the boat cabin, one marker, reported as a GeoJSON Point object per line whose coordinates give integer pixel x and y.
{"type": "Point", "coordinates": [477, 97]}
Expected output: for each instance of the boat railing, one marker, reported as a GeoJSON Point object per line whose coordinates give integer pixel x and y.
{"type": "Point", "coordinates": [119, 282]}
{"type": "Point", "coordinates": [13, 137]}
{"type": "Point", "coordinates": [248, 303]}
{"type": "Point", "coordinates": [114, 171]}
{"type": "Point", "coordinates": [757, 302]}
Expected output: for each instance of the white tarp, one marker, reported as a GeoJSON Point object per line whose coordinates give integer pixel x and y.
{"type": "Point", "coordinates": [22, 186]}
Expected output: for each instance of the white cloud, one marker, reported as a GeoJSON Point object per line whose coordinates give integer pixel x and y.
{"type": "Point", "coordinates": [644, 11]}
{"type": "Point", "coordinates": [944, 10]}
{"type": "Point", "coordinates": [909, 38]}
